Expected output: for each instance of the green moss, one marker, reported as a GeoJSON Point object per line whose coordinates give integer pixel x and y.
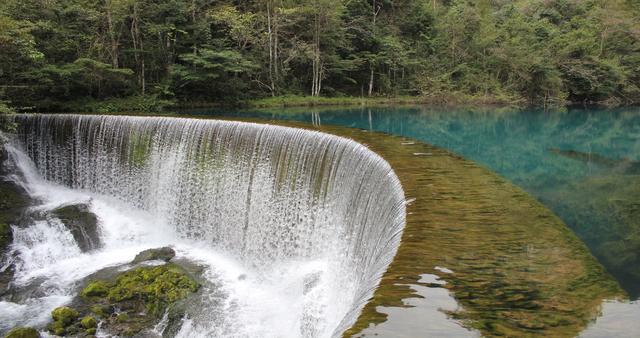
{"type": "Point", "coordinates": [141, 295]}
{"type": "Point", "coordinates": [89, 322]}
{"type": "Point", "coordinates": [90, 331]}
{"type": "Point", "coordinates": [64, 319]}
{"type": "Point", "coordinates": [96, 289]}
{"type": "Point", "coordinates": [157, 286]}
{"type": "Point", "coordinates": [102, 311]}
{"type": "Point", "coordinates": [57, 328]}
{"type": "Point", "coordinates": [153, 287]}
{"type": "Point", "coordinates": [65, 315]}
{"type": "Point", "coordinates": [23, 332]}
{"type": "Point", "coordinates": [122, 317]}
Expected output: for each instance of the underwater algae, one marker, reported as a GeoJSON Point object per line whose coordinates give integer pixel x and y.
{"type": "Point", "coordinates": [518, 270]}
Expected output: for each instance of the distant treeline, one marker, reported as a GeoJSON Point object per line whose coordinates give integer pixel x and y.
{"type": "Point", "coordinates": [107, 54]}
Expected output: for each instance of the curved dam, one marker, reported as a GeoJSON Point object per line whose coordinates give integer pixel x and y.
{"type": "Point", "coordinates": [296, 227]}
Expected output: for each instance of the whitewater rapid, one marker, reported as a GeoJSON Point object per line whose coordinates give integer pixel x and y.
{"type": "Point", "coordinates": [294, 227]}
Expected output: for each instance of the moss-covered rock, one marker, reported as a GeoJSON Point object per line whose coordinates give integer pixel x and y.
{"type": "Point", "coordinates": [65, 315]}
{"type": "Point", "coordinates": [88, 322]}
{"type": "Point", "coordinates": [57, 328]}
{"type": "Point", "coordinates": [164, 254]}
{"type": "Point", "coordinates": [82, 223]}
{"type": "Point", "coordinates": [131, 302]}
{"type": "Point", "coordinates": [157, 287]}
{"type": "Point", "coordinates": [102, 311]}
{"type": "Point", "coordinates": [96, 289]}
{"type": "Point", "coordinates": [23, 332]}
{"type": "Point", "coordinates": [65, 321]}
{"type": "Point", "coordinates": [138, 297]}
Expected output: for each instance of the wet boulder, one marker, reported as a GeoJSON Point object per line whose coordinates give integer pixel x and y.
{"type": "Point", "coordinates": [64, 321]}
{"type": "Point", "coordinates": [134, 300]}
{"type": "Point", "coordinates": [90, 324]}
{"type": "Point", "coordinates": [163, 254]}
{"type": "Point", "coordinates": [13, 201]}
{"type": "Point", "coordinates": [82, 223]}
{"type": "Point", "coordinates": [131, 302]}
{"type": "Point", "coordinates": [23, 332]}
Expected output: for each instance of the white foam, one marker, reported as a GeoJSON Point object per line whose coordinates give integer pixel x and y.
{"type": "Point", "coordinates": [293, 243]}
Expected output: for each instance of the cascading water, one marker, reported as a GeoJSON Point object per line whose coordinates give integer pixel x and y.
{"type": "Point", "coordinates": [309, 220]}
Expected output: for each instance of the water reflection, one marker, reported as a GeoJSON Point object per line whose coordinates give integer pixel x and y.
{"type": "Point", "coordinates": [618, 319]}
{"type": "Point", "coordinates": [426, 314]}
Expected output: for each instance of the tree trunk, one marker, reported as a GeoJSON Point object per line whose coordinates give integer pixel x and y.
{"type": "Point", "coordinates": [375, 10]}
{"type": "Point", "coordinates": [371, 79]}
{"type": "Point", "coordinates": [603, 37]}
{"type": "Point", "coordinates": [143, 84]}
{"type": "Point", "coordinates": [317, 63]}
{"type": "Point", "coordinates": [271, 46]}
{"type": "Point", "coordinates": [112, 36]}
{"type": "Point", "coordinates": [193, 21]}
{"type": "Point", "coordinates": [138, 48]}
{"type": "Point", "coordinates": [276, 58]}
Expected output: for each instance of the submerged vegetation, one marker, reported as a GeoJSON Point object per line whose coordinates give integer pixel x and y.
{"type": "Point", "coordinates": [515, 268]}
{"type": "Point", "coordinates": [608, 210]}
{"type": "Point", "coordinates": [142, 55]}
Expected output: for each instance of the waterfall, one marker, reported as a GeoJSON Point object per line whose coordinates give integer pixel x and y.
{"type": "Point", "coordinates": [267, 196]}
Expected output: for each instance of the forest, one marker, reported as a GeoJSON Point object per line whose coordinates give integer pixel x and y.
{"type": "Point", "coordinates": [112, 55]}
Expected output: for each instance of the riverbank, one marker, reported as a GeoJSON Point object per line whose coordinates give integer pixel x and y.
{"type": "Point", "coordinates": [153, 104]}
{"type": "Point", "coordinates": [303, 101]}
{"type": "Point", "coordinates": [144, 105]}
{"type": "Point", "coordinates": [287, 101]}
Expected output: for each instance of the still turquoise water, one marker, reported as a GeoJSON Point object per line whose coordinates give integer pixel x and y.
{"type": "Point", "coordinates": [584, 164]}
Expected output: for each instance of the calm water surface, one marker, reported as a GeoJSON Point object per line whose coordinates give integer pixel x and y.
{"type": "Point", "coordinates": [584, 164]}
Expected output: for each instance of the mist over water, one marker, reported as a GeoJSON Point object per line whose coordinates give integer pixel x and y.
{"type": "Point", "coordinates": [295, 228]}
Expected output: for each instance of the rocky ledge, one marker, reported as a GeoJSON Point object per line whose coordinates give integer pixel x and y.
{"type": "Point", "coordinates": [127, 303]}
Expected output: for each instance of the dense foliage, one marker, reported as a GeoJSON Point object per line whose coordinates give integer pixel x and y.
{"type": "Point", "coordinates": [142, 54]}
